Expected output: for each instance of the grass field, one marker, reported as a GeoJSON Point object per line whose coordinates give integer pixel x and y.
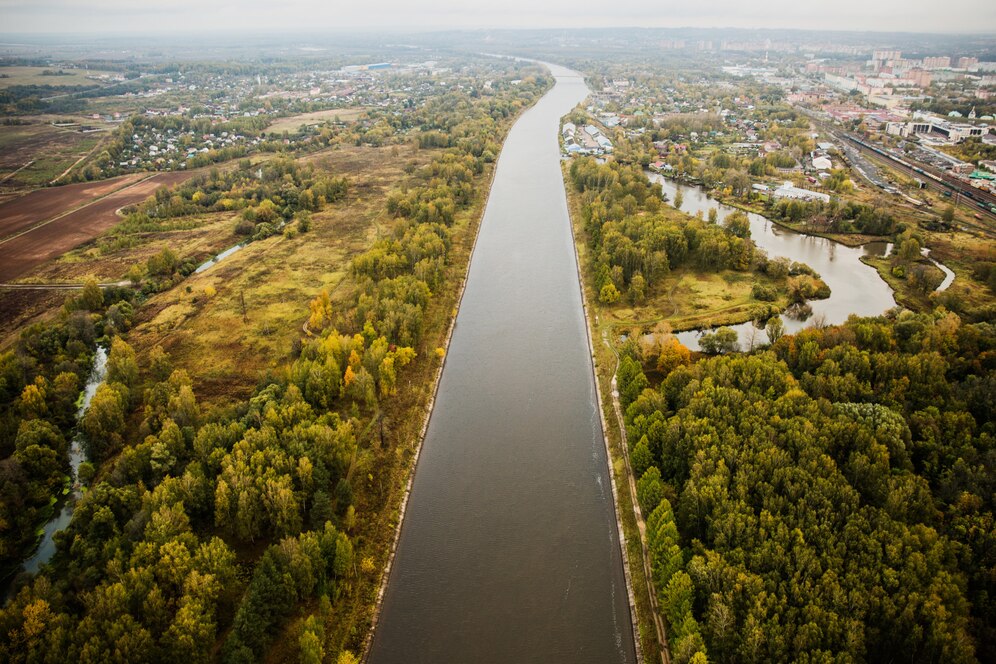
{"type": "Point", "coordinates": [34, 76]}
{"type": "Point", "coordinates": [33, 155]}
{"type": "Point", "coordinates": [225, 353]}
{"type": "Point", "coordinates": [292, 123]}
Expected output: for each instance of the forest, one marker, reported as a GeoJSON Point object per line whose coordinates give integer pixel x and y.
{"type": "Point", "coordinates": [247, 529]}
{"type": "Point", "coordinates": [827, 498]}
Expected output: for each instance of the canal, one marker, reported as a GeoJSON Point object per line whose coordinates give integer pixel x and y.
{"type": "Point", "coordinates": [509, 549]}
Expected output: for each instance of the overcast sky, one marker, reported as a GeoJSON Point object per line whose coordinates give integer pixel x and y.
{"type": "Point", "coordinates": [975, 16]}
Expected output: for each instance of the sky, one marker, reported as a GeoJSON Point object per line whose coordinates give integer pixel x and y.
{"type": "Point", "coordinates": [152, 16]}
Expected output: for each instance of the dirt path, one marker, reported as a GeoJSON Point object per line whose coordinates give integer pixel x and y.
{"type": "Point", "coordinates": [116, 284]}
{"type": "Point", "coordinates": [76, 163]}
{"type": "Point", "coordinates": [13, 173]}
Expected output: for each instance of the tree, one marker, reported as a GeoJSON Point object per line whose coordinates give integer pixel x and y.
{"type": "Point", "coordinates": [163, 264]}
{"type": "Point", "coordinates": [121, 364]}
{"type": "Point", "coordinates": [160, 364]}
{"type": "Point", "coordinates": [103, 422]}
{"type": "Point", "coordinates": [637, 289]}
{"type": "Point", "coordinates": [723, 340]}
{"type": "Point", "coordinates": [609, 294]}
{"type": "Point", "coordinates": [775, 329]}
{"type": "Point", "coordinates": [909, 249]}
{"type": "Point", "coordinates": [311, 648]}
{"type": "Point", "coordinates": [91, 297]}
{"type": "Point", "coordinates": [949, 214]}
{"type": "Point", "coordinates": [321, 311]}
{"type": "Point", "coordinates": [737, 224]}
{"type": "Point", "coordinates": [673, 355]}
{"type": "Point", "coordinates": [650, 490]}
{"type": "Point", "coordinates": [32, 402]}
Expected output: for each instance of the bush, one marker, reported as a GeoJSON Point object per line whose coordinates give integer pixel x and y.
{"type": "Point", "coordinates": [763, 293]}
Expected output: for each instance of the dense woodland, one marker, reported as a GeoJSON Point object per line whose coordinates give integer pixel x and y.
{"type": "Point", "coordinates": [41, 377]}
{"type": "Point", "coordinates": [200, 532]}
{"type": "Point", "coordinates": [829, 498]}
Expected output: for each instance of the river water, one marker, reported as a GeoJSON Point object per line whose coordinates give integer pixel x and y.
{"type": "Point", "coordinates": [509, 549]}
{"type": "Point", "coordinates": [855, 288]}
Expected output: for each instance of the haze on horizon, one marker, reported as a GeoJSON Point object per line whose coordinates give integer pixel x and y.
{"type": "Point", "coordinates": [117, 16]}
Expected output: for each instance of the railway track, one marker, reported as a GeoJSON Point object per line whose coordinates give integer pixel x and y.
{"type": "Point", "coordinates": [981, 202]}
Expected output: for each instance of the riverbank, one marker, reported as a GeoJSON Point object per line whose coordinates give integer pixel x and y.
{"type": "Point", "coordinates": [906, 292]}
{"type": "Point", "coordinates": [650, 630]}
{"type": "Point", "coordinates": [846, 239]}
{"type": "Point", "coordinates": [407, 480]}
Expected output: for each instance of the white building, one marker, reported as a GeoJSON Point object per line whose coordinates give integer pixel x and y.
{"type": "Point", "coordinates": [789, 190]}
{"type": "Point", "coordinates": [822, 163]}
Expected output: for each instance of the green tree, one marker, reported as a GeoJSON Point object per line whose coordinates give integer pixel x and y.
{"type": "Point", "coordinates": [91, 297]}
{"type": "Point", "coordinates": [609, 294]}
{"type": "Point", "coordinates": [650, 490]}
{"type": "Point", "coordinates": [775, 329]}
{"type": "Point", "coordinates": [723, 340]}
{"type": "Point", "coordinates": [122, 367]}
{"type": "Point", "coordinates": [103, 422]}
{"type": "Point", "coordinates": [948, 215]}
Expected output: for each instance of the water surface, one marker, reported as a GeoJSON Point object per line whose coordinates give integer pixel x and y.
{"type": "Point", "coordinates": [855, 288]}
{"type": "Point", "coordinates": [509, 548]}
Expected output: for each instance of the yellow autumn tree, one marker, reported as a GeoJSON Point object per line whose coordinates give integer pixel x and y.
{"type": "Point", "coordinates": [321, 311]}
{"type": "Point", "coordinates": [673, 355]}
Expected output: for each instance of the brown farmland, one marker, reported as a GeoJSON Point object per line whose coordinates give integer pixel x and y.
{"type": "Point", "coordinates": [18, 255]}
{"type": "Point", "coordinates": [43, 204]}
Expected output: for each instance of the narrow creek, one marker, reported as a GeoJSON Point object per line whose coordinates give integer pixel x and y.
{"type": "Point", "coordinates": [46, 546]}
{"type": "Point", "coordinates": [211, 262]}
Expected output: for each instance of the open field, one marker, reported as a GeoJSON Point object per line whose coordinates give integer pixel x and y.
{"type": "Point", "coordinates": [34, 76]}
{"type": "Point", "coordinates": [43, 204]}
{"type": "Point", "coordinates": [291, 124]}
{"type": "Point", "coordinates": [20, 254]}
{"type": "Point", "coordinates": [226, 354]}
{"type": "Point", "coordinates": [34, 155]}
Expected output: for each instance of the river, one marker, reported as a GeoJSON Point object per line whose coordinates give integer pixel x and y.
{"type": "Point", "coordinates": [855, 288]}
{"type": "Point", "coordinates": [509, 550]}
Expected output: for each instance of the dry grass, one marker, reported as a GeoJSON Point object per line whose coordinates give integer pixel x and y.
{"type": "Point", "coordinates": [33, 76]}
{"type": "Point", "coordinates": [226, 352]}
{"type": "Point", "coordinates": [292, 123]}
